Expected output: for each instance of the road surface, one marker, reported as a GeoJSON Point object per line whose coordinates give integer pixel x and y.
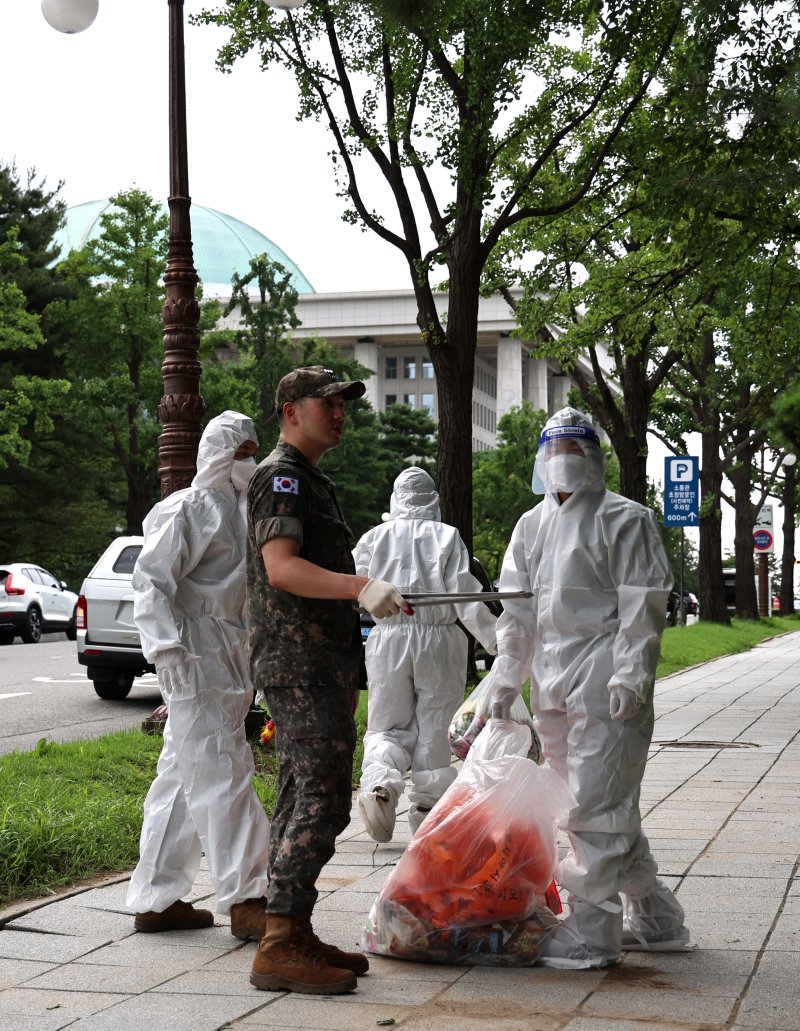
{"type": "Point", "coordinates": [45, 693]}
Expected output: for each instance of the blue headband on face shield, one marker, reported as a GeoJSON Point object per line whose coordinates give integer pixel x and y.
{"type": "Point", "coordinates": [559, 432]}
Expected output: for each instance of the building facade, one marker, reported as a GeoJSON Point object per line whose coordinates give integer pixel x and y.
{"type": "Point", "coordinates": [379, 329]}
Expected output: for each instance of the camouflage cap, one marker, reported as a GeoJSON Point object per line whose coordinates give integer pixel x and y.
{"type": "Point", "coordinates": [315, 381]}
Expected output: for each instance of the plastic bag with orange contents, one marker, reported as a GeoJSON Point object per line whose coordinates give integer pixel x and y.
{"type": "Point", "coordinates": [475, 886]}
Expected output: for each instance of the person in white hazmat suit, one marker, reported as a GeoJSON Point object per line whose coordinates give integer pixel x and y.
{"type": "Point", "coordinates": [189, 607]}
{"type": "Point", "coordinates": [589, 640]}
{"type": "Point", "coordinates": [417, 665]}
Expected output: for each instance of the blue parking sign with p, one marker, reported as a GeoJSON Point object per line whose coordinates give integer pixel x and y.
{"type": "Point", "coordinates": [681, 490]}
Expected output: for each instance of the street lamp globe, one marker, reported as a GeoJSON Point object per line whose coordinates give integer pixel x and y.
{"type": "Point", "coordinates": [789, 459]}
{"type": "Point", "coordinates": [70, 15]}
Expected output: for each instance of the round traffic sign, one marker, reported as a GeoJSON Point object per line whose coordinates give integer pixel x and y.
{"type": "Point", "coordinates": [762, 540]}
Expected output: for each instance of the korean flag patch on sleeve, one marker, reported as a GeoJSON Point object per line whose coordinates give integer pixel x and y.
{"type": "Point", "coordinates": [285, 485]}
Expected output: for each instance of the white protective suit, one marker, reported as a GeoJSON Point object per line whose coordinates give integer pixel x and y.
{"type": "Point", "coordinates": [589, 639]}
{"type": "Point", "coordinates": [417, 665]}
{"type": "Point", "coordinates": [189, 607]}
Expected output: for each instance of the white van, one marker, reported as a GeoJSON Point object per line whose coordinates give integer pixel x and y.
{"type": "Point", "coordinates": [108, 641]}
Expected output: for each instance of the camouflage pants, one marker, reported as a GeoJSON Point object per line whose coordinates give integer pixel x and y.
{"type": "Point", "coordinates": [315, 738]}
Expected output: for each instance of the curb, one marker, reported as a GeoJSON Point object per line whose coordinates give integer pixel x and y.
{"type": "Point", "coordinates": [18, 909]}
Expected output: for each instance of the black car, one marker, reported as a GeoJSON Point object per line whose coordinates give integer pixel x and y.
{"type": "Point", "coordinates": [691, 606]}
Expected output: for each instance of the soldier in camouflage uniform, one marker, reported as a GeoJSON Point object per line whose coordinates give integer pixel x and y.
{"type": "Point", "coordinates": [305, 650]}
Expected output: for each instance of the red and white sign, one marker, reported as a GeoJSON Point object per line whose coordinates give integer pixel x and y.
{"type": "Point", "coordinates": [763, 541]}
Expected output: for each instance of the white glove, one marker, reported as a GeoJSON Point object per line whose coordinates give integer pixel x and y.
{"type": "Point", "coordinates": [623, 703]}
{"type": "Point", "coordinates": [173, 668]}
{"type": "Point", "coordinates": [382, 599]}
{"type": "Point", "coordinates": [501, 707]}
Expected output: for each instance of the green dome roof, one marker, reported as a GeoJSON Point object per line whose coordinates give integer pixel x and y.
{"type": "Point", "coordinates": [221, 244]}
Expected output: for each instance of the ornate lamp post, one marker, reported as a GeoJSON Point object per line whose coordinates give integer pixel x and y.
{"type": "Point", "coordinates": [181, 408]}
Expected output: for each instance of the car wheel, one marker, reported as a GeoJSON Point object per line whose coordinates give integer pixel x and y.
{"type": "Point", "coordinates": [7, 635]}
{"type": "Point", "coordinates": [72, 626]}
{"type": "Point", "coordinates": [31, 632]}
{"type": "Point", "coordinates": [116, 689]}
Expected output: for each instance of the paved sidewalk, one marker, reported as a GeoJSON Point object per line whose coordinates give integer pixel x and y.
{"type": "Point", "coordinates": [722, 809]}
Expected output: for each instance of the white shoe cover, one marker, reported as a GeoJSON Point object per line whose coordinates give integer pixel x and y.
{"type": "Point", "coordinates": [378, 813]}
{"type": "Point", "coordinates": [416, 816]}
{"type": "Point", "coordinates": [653, 922]}
{"type": "Point", "coordinates": [564, 950]}
{"type": "Point", "coordinates": [662, 941]}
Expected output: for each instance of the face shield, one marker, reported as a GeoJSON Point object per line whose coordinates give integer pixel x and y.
{"type": "Point", "coordinates": [569, 458]}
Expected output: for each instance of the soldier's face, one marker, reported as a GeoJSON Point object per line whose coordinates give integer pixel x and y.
{"type": "Point", "coordinates": [321, 421]}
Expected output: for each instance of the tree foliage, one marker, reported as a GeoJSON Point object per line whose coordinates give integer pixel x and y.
{"type": "Point", "coordinates": [450, 125]}
{"type": "Point", "coordinates": [111, 347]}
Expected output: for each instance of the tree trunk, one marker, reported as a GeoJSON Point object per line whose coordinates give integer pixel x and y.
{"type": "Point", "coordinates": [787, 558]}
{"type": "Point", "coordinates": [746, 599]}
{"type": "Point", "coordinates": [626, 425]}
{"type": "Point", "coordinates": [453, 357]}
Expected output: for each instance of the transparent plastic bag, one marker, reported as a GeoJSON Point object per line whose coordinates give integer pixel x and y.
{"type": "Point", "coordinates": [473, 714]}
{"type": "Point", "coordinates": [475, 885]}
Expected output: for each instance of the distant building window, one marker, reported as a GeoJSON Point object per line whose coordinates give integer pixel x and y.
{"type": "Point", "coordinates": [410, 368]}
{"type": "Point", "coordinates": [427, 402]}
{"type": "Point", "coordinates": [427, 368]}
{"type": "Point", "coordinates": [390, 369]}
{"type": "Point", "coordinates": [389, 400]}
{"type": "Point", "coordinates": [410, 400]}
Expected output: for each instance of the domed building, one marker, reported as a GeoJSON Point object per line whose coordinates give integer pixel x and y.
{"type": "Point", "coordinates": [221, 244]}
{"type": "Point", "coordinates": [378, 328]}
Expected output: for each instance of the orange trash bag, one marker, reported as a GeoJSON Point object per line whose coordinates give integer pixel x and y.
{"type": "Point", "coordinates": [476, 883]}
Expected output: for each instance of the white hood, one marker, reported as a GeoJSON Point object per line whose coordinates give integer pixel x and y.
{"type": "Point", "coordinates": [414, 496]}
{"type": "Point", "coordinates": [219, 443]}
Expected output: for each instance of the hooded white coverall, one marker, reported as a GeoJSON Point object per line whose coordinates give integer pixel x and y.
{"type": "Point", "coordinates": [416, 665]}
{"type": "Point", "coordinates": [189, 607]}
{"type": "Point", "coordinates": [600, 580]}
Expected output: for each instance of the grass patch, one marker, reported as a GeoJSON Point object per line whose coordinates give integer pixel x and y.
{"type": "Point", "coordinates": [69, 812]}
{"type": "Point", "coordinates": [684, 646]}
{"type": "Point", "coordinates": [72, 811]}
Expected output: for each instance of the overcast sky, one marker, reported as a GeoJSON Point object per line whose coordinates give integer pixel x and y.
{"type": "Point", "coordinates": [91, 109]}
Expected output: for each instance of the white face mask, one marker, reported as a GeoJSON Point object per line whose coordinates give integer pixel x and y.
{"type": "Point", "coordinates": [242, 472]}
{"type": "Point", "coordinates": [565, 472]}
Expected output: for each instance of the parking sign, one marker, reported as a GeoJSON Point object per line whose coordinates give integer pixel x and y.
{"type": "Point", "coordinates": [681, 490]}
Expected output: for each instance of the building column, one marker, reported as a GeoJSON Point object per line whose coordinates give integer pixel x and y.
{"type": "Point", "coordinates": [366, 353]}
{"type": "Point", "coordinates": [509, 374]}
{"type": "Point", "coordinates": [561, 387]}
{"type": "Point", "coordinates": [536, 383]}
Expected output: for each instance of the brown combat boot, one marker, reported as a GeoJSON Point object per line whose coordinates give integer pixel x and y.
{"type": "Point", "coordinates": [249, 919]}
{"type": "Point", "coordinates": [285, 962]}
{"type": "Point", "coordinates": [180, 916]}
{"type": "Point", "coordinates": [356, 962]}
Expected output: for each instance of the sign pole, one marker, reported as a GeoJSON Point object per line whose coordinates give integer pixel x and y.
{"type": "Point", "coordinates": [763, 585]}
{"type": "Point", "coordinates": [683, 600]}
{"type": "Point", "coordinates": [681, 508]}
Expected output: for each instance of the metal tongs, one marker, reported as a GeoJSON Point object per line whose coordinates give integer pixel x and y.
{"type": "Point", "coordinates": [457, 598]}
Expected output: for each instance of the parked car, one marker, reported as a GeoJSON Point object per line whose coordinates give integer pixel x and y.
{"type": "Point", "coordinates": [108, 641]}
{"type": "Point", "coordinates": [691, 606]}
{"type": "Point", "coordinates": [33, 602]}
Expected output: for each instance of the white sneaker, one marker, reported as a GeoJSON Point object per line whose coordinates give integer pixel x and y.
{"type": "Point", "coordinates": [378, 813]}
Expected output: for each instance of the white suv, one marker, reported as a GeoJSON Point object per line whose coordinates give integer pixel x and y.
{"type": "Point", "coordinates": [32, 603]}
{"type": "Point", "coordinates": [108, 641]}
